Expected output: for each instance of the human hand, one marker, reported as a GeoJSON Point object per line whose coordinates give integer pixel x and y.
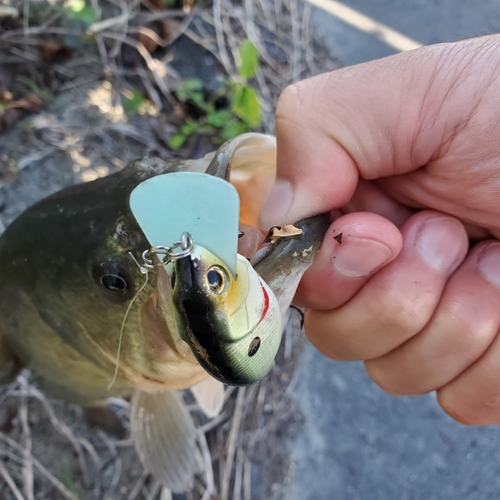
{"type": "Point", "coordinates": [405, 154]}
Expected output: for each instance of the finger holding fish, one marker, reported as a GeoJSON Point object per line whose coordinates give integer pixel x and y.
{"type": "Point", "coordinates": [355, 247]}
{"type": "Point", "coordinates": [398, 301]}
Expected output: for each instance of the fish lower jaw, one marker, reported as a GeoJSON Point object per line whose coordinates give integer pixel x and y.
{"type": "Point", "coordinates": [150, 384]}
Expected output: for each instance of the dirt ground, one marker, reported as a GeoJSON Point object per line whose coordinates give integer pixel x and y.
{"type": "Point", "coordinates": [75, 129]}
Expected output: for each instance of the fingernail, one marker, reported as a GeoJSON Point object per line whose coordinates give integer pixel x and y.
{"type": "Point", "coordinates": [489, 263]}
{"type": "Point", "coordinates": [439, 243]}
{"type": "Point", "coordinates": [358, 257]}
{"type": "Point", "coordinates": [277, 206]}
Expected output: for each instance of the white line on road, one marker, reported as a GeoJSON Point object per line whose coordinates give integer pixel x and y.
{"type": "Point", "coordinates": [367, 24]}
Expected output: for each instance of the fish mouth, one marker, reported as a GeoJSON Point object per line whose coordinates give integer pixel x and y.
{"type": "Point", "coordinates": [166, 361]}
{"type": "Point", "coordinates": [282, 263]}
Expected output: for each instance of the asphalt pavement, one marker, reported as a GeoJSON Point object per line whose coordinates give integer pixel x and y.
{"type": "Point", "coordinates": [358, 442]}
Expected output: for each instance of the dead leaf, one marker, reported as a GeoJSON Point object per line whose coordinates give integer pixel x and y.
{"type": "Point", "coordinates": [54, 52]}
{"type": "Point", "coordinates": [286, 232]}
{"type": "Point", "coordinates": [13, 111]}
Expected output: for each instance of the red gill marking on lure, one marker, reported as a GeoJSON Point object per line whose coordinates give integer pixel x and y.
{"type": "Point", "coordinates": [266, 303]}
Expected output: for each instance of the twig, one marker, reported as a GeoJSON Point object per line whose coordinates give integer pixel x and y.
{"type": "Point", "coordinates": [165, 14]}
{"type": "Point", "coordinates": [10, 482]}
{"type": "Point", "coordinates": [232, 441]}
{"type": "Point", "coordinates": [65, 431]}
{"type": "Point", "coordinates": [209, 471]}
{"type": "Point", "coordinates": [238, 475]}
{"type": "Point", "coordinates": [150, 62]}
{"type": "Point", "coordinates": [55, 482]}
{"type": "Point", "coordinates": [117, 464]}
{"type": "Point", "coordinates": [138, 485]}
{"type": "Point", "coordinates": [110, 22]}
{"type": "Point", "coordinates": [212, 424]}
{"type": "Point", "coordinates": [37, 31]}
{"type": "Point", "coordinates": [247, 479]}
{"type": "Point", "coordinates": [27, 456]}
{"type": "Point", "coordinates": [219, 33]}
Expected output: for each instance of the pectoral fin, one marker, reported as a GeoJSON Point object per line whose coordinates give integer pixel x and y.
{"type": "Point", "coordinates": [165, 437]}
{"type": "Point", "coordinates": [209, 394]}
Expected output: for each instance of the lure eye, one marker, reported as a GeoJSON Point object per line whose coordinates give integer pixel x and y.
{"type": "Point", "coordinates": [253, 347]}
{"type": "Point", "coordinates": [115, 283]}
{"type": "Point", "coordinates": [216, 279]}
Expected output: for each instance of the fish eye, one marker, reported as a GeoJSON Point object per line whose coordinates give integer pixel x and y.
{"type": "Point", "coordinates": [113, 277]}
{"type": "Point", "coordinates": [115, 283]}
{"type": "Point", "coordinates": [216, 279]}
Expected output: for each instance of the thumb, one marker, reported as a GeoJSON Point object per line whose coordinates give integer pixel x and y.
{"type": "Point", "coordinates": [382, 118]}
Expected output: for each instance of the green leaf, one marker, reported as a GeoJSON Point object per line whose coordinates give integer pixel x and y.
{"type": "Point", "coordinates": [176, 141]}
{"type": "Point", "coordinates": [78, 10]}
{"type": "Point", "coordinates": [189, 128]}
{"type": "Point", "coordinates": [206, 129]}
{"type": "Point", "coordinates": [233, 128]}
{"type": "Point", "coordinates": [192, 84]}
{"type": "Point", "coordinates": [199, 99]}
{"type": "Point", "coordinates": [218, 118]}
{"type": "Point", "coordinates": [249, 59]}
{"type": "Point", "coordinates": [245, 105]}
{"type": "Point", "coordinates": [133, 103]}
{"type": "Point", "coordinates": [187, 88]}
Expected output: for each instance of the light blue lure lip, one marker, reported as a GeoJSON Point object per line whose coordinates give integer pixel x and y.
{"type": "Point", "coordinates": [205, 206]}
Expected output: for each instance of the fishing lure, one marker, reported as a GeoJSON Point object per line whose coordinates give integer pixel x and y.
{"type": "Point", "coordinates": [232, 323]}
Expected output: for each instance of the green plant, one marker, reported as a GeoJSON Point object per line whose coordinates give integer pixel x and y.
{"type": "Point", "coordinates": [42, 94]}
{"type": "Point", "coordinates": [79, 10]}
{"type": "Point", "coordinates": [67, 478]}
{"type": "Point", "coordinates": [243, 114]}
{"type": "Point", "coordinates": [133, 102]}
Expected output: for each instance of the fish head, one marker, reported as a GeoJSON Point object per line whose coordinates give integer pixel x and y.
{"type": "Point", "coordinates": [231, 323]}
{"type": "Point", "coordinates": [67, 269]}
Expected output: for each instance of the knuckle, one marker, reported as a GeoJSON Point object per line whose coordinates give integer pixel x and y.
{"type": "Point", "coordinates": [377, 370]}
{"type": "Point", "coordinates": [396, 313]}
{"type": "Point", "coordinates": [462, 411]}
{"type": "Point", "coordinates": [323, 334]}
{"type": "Point", "coordinates": [470, 317]}
{"type": "Point", "coordinates": [291, 101]}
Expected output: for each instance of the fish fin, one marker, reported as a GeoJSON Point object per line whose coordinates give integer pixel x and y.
{"type": "Point", "coordinates": [165, 437]}
{"type": "Point", "coordinates": [209, 394]}
{"type": "Point", "coordinates": [249, 163]}
{"type": "Point", "coordinates": [10, 366]}
{"type": "Point", "coordinates": [165, 494]}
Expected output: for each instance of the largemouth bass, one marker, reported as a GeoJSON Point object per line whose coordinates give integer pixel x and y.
{"type": "Point", "coordinates": [68, 279]}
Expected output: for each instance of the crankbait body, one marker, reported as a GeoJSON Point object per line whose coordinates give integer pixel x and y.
{"type": "Point", "coordinates": [232, 323]}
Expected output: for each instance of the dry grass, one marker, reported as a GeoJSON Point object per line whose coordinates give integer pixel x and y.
{"type": "Point", "coordinates": [48, 452]}
{"type": "Point", "coordinates": [46, 449]}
